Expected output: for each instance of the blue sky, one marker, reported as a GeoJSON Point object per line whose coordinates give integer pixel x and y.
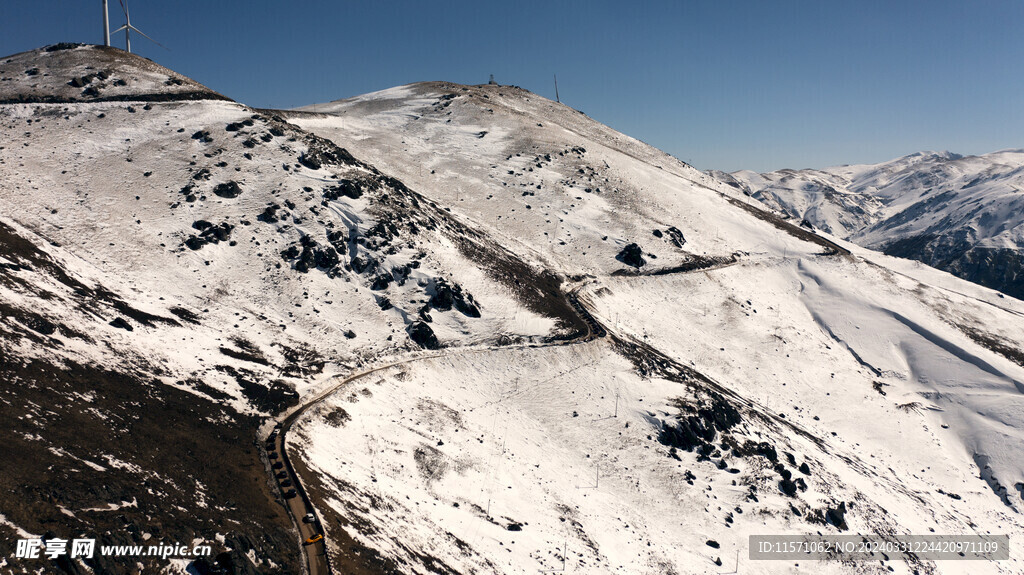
{"type": "Point", "coordinates": [721, 84]}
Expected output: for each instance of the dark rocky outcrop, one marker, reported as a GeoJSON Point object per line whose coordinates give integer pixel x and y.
{"type": "Point", "coordinates": [448, 295]}
{"type": "Point", "coordinates": [344, 188]}
{"type": "Point", "coordinates": [228, 190]}
{"type": "Point", "coordinates": [675, 236]}
{"type": "Point", "coordinates": [338, 241]}
{"type": "Point", "coordinates": [236, 126]}
{"type": "Point", "coordinates": [323, 152]}
{"type": "Point", "coordinates": [700, 425]}
{"type": "Point", "coordinates": [631, 255]}
{"type": "Point", "coordinates": [269, 214]}
{"type": "Point", "coordinates": [208, 234]}
{"type": "Point", "coordinates": [310, 255]}
{"type": "Point", "coordinates": [202, 136]}
{"type": "Point", "coordinates": [122, 323]}
{"type": "Point", "coordinates": [423, 335]}
{"type": "Point", "coordinates": [381, 282]}
{"type": "Point", "coordinates": [837, 516]}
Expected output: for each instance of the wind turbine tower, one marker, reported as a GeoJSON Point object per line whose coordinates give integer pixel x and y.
{"type": "Point", "coordinates": [106, 25]}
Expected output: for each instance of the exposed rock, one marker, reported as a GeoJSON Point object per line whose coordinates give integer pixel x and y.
{"type": "Point", "coordinates": [324, 152]}
{"type": "Point", "coordinates": [363, 263]}
{"type": "Point", "coordinates": [421, 333]}
{"type": "Point", "coordinates": [269, 214]}
{"type": "Point", "coordinates": [788, 487]}
{"type": "Point", "coordinates": [345, 188]}
{"type": "Point", "coordinates": [701, 426]}
{"type": "Point", "coordinates": [448, 295]}
{"type": "Point", "coordinates": [38, 324]}
{"type": "Point", "coordinates": [228, 190]}
{"type": "Point", "coordinates": [338, 240]}
{"type": "Point", "coordinates": [381, 282]}
{"type": "Point", "coordinates": [675, 236]}
{"type": "Point", "coordinates": [209, 234]}
{"type": "Point", "coordinates": [631, 255]}
{"type": "Point", "coordinates": [122, 323]}
{"type": "Point", "coordinates": [236, 126]}
{"type": "Point", "coordinates": [837, 516]}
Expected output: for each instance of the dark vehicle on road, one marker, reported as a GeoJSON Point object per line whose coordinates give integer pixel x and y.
{"type": "Point", "coordinates": [277, 465]}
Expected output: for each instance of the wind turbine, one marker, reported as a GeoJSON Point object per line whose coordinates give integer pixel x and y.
{"type": "Point", "coordinates": [128, 28]}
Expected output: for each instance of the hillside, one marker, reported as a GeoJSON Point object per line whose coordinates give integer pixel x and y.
{"type": "Point", "coordinates": [744, 311]}
{"type": "Point", "coordinates": [961, 214]}
{"type": "Point", "coordinates": [555, 347]}
{"type": "Point", "coordinates": [177, 270]}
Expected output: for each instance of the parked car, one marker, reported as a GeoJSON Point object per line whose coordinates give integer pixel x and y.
{"type": "Point", "coordinates": [286, 483]}
{"type": "Point", "coordinates": [277, 465]}
{"type": "Point", "coordinates": [282, 475]}
{"type": "Point", "coordinates": [289, 494]}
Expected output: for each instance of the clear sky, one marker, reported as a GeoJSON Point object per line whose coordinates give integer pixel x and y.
{"type": "Point", "coordinates": [721, 84]}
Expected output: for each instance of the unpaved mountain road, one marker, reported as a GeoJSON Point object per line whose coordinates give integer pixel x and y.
{"type": "Point", "coordinates": [295, 497]}
{"type": "Point", "coordinates": [287, 480]}
{"type": "Point", "coordinates": [298, 503]}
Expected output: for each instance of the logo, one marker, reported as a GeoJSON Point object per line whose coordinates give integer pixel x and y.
{"type": "Point", "coordinates": [54, 548]}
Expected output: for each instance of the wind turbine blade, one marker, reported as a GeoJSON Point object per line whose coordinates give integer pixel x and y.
{"type": "Point", "coordinates": [119, 29]}
{"type": "Point", "coordinates": [148, 38]}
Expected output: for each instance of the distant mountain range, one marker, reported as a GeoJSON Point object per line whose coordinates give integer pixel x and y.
{"type": "Point", "coordinates": [961, 214]}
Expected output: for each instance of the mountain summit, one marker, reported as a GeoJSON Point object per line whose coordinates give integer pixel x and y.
{"type": "Point", "coordinates": [88, 73]}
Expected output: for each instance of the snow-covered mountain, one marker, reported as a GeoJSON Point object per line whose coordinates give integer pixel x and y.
{"type": "Point", "coordinates": [961, 214]}
{"type": "Point", "coordinates": [562, 348]}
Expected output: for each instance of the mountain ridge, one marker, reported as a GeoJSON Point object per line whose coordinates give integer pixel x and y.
{"type": "Point", "coordinates": [957, 213]}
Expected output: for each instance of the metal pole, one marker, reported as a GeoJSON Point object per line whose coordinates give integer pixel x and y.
{"type": "Point", "coordinates": [106, 25]}
{"type": "Point", "coordinates": [556, 90]}
{"type": "Point", "coordinates": [127, 28]}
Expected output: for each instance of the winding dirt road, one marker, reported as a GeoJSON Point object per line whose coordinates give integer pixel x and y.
{"type": "Point", "coordinates": [287, 480]}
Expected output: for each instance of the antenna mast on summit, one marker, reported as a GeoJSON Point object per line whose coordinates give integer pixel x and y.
{"type": "Point", "coordinates": [556, 90]}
